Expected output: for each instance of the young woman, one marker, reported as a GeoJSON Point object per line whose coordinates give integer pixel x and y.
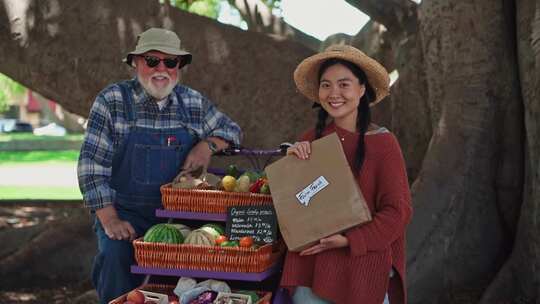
{"type": "Point", "coordinates": [365, 264]}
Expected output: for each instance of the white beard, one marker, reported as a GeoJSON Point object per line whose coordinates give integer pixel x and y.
{"type": "Point", "coordinates": [156, 92]}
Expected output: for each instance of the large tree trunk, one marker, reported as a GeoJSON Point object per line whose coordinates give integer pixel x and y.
{"type": "Point", "coordinates": [518, 280]}
{"type": "Point", "coordinates": [70, 51]}
{"type": "Point", "coordinates": [472, 173]}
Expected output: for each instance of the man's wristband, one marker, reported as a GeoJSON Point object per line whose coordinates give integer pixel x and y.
{"type": "Point", "coordinates": [212, 145]}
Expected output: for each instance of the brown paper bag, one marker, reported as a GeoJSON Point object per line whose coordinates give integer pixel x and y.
{"type": "Point", "coordinates": [318, 197]}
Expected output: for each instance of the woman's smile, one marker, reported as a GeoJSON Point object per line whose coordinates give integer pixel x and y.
{"type": "Point", "coordinates": [336, 104]}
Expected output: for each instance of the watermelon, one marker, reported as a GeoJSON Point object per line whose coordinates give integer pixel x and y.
{"type": "Point", "coordinates": [163, 233]}
{"type": "Point", "coordinates": [217, 227]}
{"type": "Point", "coordinates": [185, 230]}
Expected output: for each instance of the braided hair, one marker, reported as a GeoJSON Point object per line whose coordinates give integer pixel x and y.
{"type": "Point", "coordinates": [364, 114]}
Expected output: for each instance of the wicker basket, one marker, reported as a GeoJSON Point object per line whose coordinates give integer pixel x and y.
{"type": "Point", "coordinates": [208, 258]}
{"type": "Point", "coordinates": [264, 296]}
{"type": "Point", "coordinates": [208, 201]}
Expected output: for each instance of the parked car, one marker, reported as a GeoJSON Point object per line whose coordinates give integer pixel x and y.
{"type": "Point", "coordinates": [21, 126]}
{"type": "Point", "coordinates": [51, 129]}
{"type": "Point", "coordinates": [7, 124]}
{"type": "Point", "coordinates": [14, 125]}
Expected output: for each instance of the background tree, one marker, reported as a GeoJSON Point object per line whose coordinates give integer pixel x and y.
{"type": "Point", "coordinates": [8, 90]}
{"type": "Point", "coordinates": [258, 16]}
{"type": "Point", "coordinates": [207, 8]}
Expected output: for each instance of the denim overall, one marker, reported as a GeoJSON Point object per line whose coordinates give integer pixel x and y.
{"type": "Point", "coordinates": [145, 160]}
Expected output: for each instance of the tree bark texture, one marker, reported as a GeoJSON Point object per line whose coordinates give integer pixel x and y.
{"type": "Point", "coordinates": [69, 51]}
{"type": "Point", "coordinates": [518, 280]}
{"type": "Point", "coordinates": [473, 167]}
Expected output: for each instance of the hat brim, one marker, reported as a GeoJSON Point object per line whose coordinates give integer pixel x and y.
{"type": "Point", "coordinates": [187, 57]}
{"type": "Point", "coordinates": [306, 74]}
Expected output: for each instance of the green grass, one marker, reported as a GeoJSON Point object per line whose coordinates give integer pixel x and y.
{"type": "Point", "coordinates": [63, 156]}
{"type": "Point", "coordinates": [4, 137]}
{"type": "Point", "coordinates": [39, 192]}
{"type": "Point", "coordinates": [38, 158]}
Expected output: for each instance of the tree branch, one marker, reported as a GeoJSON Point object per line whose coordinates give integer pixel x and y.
{"type": "Point", "coordinates": [396, 15]}
{"type": "Point", "coordinates": [259, 18]}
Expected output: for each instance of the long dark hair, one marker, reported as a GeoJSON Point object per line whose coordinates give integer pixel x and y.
{"type": "Point", "coordinates": [363, 119]}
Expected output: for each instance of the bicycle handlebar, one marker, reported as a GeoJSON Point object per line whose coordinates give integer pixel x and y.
{"type": "Point", "coordinates": [254, 152]}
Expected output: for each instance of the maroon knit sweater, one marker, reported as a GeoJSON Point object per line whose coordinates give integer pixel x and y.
{"type": "Point", "coordinates": [360, 273]}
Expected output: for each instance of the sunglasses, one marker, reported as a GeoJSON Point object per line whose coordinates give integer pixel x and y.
{"type": "Point", "coordinates": [152, 61]}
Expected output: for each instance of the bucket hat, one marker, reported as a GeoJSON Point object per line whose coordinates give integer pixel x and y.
{"type": "Point", "coordinates": [158, 39]}
{"type": "Point", "coordinates": [307, 72]}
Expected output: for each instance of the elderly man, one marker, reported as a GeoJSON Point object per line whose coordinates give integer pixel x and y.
{"type": "Point", "coordinates": [141, 133]}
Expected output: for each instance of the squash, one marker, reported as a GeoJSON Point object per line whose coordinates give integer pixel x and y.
{"type": "Point", "coordinates": [201, 238]}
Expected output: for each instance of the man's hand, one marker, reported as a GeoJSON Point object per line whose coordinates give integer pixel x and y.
{"type": "Point", "coordinates": [333, 241]}
{"type": "Point", "coordinates": [200, 154]}
{"type": "Point", "coordinates": [198, 157]}
{"type": "Point", "coordinates": [115, 228]}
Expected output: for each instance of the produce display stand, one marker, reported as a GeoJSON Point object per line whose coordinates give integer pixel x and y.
{"type": "Point", "coordinates": [163, 289]}
{"type": "Point", "coordinates": [254, 156]}
{"type": "Point", "coordinates": [221, 275]}
{"type": "Point", "coordinates": [216, 217]}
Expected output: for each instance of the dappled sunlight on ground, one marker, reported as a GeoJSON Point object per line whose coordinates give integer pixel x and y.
{"type": "Point", "coordinates": [19, 297]}
{"type": "Point", "coordinates": [14, 217]}
{"type": "Point", "coordinates": [25, 216]}
{"type": "Point", "coordinates": [61, 295]}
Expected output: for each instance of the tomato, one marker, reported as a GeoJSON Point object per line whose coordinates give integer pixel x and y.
{"type": "Point", "coordinates": [246, 241]}
{"type": "Point", "coordinates": [135, 296]}
{"type": "Point", "coordinates": [221, 239]}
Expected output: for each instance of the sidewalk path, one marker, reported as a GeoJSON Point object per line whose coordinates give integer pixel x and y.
{"type": "Point", "coordinates": [61, 174]}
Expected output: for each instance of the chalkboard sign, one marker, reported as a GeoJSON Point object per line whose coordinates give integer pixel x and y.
{"type": "Point", "coordinates": [258, 222]}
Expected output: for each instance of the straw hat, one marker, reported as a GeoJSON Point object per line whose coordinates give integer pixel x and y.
{"type": "Point", "coordinates": [306, 74]}
{"type": "Point", "coordinates": [158, 39]}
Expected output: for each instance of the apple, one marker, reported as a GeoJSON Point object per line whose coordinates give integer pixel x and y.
{"type": "Point", "coordinates": [136, 297]}
{"type": "Point", "coordinates": [173, 299]}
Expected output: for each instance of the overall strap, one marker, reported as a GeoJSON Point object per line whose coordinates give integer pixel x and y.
{"type": "Point", "coordinates": [181, 112]}
{"type": "Point", "coordinates": [129, 105]}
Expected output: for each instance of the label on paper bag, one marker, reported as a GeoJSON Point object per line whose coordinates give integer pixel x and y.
{"type": "Point", "coordinates": [308, 192]}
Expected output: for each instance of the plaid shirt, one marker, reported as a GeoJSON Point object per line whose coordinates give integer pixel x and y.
{"type": "Point", "coordinates": [108, 126]}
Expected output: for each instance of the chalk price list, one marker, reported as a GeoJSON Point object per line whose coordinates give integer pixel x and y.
{"type": "Point", "coordinates": [257, 222]}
